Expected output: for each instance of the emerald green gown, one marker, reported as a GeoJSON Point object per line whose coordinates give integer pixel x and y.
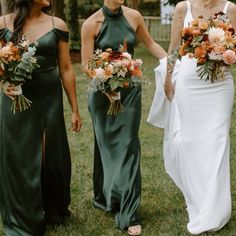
{"type": "Point", "coordinates": [117, 179]}
{"type": "Point", "coordinates": [35, 190]}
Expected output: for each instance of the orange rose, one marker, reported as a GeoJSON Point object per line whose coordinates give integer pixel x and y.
{"type": "Point", "coordinates": [207, 46]}
{"type": "Point", "coordinates": [136, 72]}
{"type": "Point", "coordinates": [125, 84]}
{"type": "Point", "coordinates": [200, 52]}
{"type": "Point", "coordinates": [222, 25]}
{"type": "Point", "coordinates": [105, 55]}
{"type": "Point", "coordinates": [201, 60]}
{"type": "Point", "coordinates": [182, 51]}
{"type": "Point", "coordinates": [186, 32]}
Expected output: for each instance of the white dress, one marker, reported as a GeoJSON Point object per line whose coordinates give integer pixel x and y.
{"type": "Point", "coordinates": [196, 143]}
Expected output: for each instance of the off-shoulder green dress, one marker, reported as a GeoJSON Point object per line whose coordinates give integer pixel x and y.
{"type": "Point", "coordinates": [35, 190]}
{"type": "Point", "coordinates": [117, 179]}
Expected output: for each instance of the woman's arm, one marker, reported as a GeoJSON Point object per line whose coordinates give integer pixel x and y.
{"type": "Point", "coordinates": [144, 37]}
{"type": "Point", "coordinates": [87, 41]}
{"type": "Point", "coordinates": [177, 25]}
{"type": "Point", "coordinates": [232, 14]}
{"type": "Point", "coordinates": [68, 78]}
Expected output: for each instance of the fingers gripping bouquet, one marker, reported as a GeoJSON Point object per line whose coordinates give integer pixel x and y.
{"type": "Point", "coordinates": [17, 62]}
{"type": "Point", "coordinates": [112, 70]}
{"type": "Point", "coordinates": [212, 42]}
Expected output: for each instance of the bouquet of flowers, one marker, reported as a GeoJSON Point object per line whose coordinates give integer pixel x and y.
{"type": "Point", "coordinates": [17, 62]}
{"type": "Point", "coordinates": [112, 70]}
{"type": "Point", "coordinates": [212, 42]}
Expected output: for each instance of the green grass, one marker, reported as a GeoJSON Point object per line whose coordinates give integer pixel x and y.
{"type": "Point", "coordinates": [162, 207]}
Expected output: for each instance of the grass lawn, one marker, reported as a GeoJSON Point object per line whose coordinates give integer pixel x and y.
{"type": "Point", "coordinates": [162, 208]}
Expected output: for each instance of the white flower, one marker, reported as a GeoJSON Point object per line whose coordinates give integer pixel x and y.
{"type": "Point", "coordinates": [6, 51]}
{"type": "Point", "coordinates": [216, 35]}
{"type": "Point", "coordinates": [127, 55]}
{"type": "Point", "coordinates": [100, 73]}
{"type": "Point", "coordinates": [137, 62]}
{"type": "Point", "coordinates": [215, 56]}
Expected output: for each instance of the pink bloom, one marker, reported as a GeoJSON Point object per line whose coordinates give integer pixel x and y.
{"type": "Point", "coordinates": [229, 57]}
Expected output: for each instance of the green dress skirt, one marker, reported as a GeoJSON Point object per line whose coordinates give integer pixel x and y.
{"type": "Point", "coordinates": [117, 178]}
{"type": "Point", "coordinates": [35, 189]}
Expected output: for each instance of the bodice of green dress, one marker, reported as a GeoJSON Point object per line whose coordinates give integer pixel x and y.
{"type": "Point", "coordinates": [46, 53]}
{"type": "Point", "coordinates": [114, 31]}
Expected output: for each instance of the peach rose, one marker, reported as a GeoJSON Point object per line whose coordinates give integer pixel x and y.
{"type": "Point", "coordinates": [222, 25]}
{"type": "Point", "coordinates": [105, 55]}
{"type": "Point", "coordinates": [229, 57]}
{"type": "Point", "coordinates": [195, 22]}
{"type": "Point", "coordinates": [196, 32]}
{"type": "Point", "coordinates": [219, 48]}
{"type": "Point", "coordinates": [92, 73]}
{"type": "Point", "coordinates": [108, 72]}
{"type": "Point", "coordinates": [203, 25]}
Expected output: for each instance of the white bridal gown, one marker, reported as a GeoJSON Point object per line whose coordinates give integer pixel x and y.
{"type": "Point", "coordinates": [196, 142]}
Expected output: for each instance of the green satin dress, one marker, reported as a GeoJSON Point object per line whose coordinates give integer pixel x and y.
{"type": "Point", "coordinates": [117, 179]}
{"type": "Point", "coordinates": [35, 190]}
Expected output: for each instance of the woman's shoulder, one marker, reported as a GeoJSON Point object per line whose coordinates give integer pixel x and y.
{"type": "Point", "coordinates": [131, 12]}
{"type": "Point", "coordinates": [59, 23]}
{"type": "Point", "coordinates": [181, 8]}
{"type": "Point", "coordinates": [231, 13]}
{"type": "Point", "coordinates": [231, 7]}
{"type": "Point", "coordinates": [92, 21]}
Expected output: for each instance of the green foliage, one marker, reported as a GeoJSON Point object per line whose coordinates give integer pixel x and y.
{"type": "Point", "coordinates": [149, 8]}
{"type": "Point", "coordinates": [173, 2]}
{"type": "Point", "coordinates": [87, 7]}
{"type": "Point", "coordinates": [72, 12]}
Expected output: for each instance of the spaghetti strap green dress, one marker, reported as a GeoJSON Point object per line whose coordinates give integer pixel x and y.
{"type": "Point", "coordinates": [35, 188]}
{"type": "Point", "coordinates": [116, 177]}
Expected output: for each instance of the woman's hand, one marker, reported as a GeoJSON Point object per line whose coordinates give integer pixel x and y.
{"type": "Point", "coordinates": [9, 90]}
{"type": "Point", "coordinates": [169, 88]}
{"type": "Point", "coordinates": [76, 122]}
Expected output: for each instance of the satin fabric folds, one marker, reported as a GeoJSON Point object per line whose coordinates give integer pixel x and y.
{"type": "Point", "coordinates": [116, 177]}
{"type": "Point", "coordinates": [196, 143]}
{"type": "Point", "coordinates": [196, 140]}
{"type": "Point", "coordinates": [117, 180]}
{"type": "Point", "coordinates": [35, 188]}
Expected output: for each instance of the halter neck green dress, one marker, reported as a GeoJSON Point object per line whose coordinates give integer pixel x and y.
{"type": "Point", "coordinates": [117, 179]}
{"type": "Point", "coordinates": [35, 190]}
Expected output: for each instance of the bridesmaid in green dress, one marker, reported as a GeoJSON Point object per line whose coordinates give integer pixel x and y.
{"type": "Point", "coordinates": [117, 179]}
{"type": "Point", "coordinates": [35, 164]}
